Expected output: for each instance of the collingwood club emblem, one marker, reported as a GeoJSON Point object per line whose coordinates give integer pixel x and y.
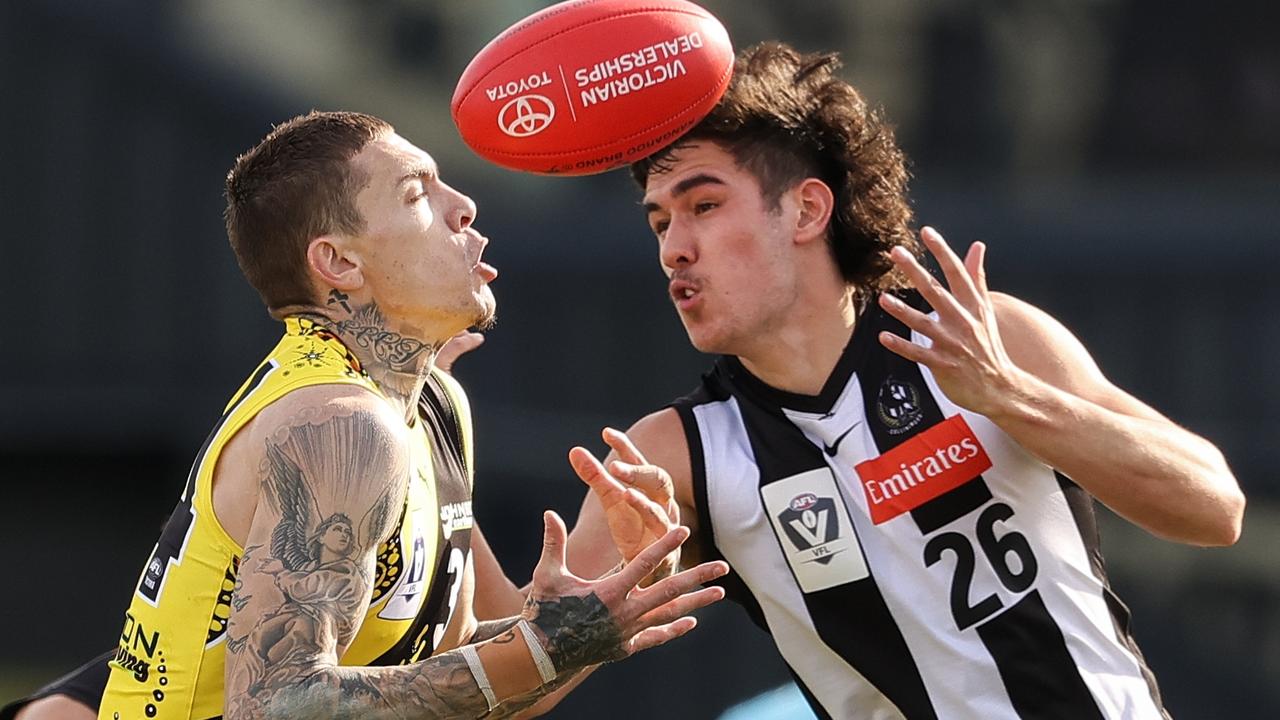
{"type": "Point", "coordinates": [898, 405]}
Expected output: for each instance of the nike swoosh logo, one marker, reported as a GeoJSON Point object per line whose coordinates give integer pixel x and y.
{"type": "Point", "coordinates": [834, 448]}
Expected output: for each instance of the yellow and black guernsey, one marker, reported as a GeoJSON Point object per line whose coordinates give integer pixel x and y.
{"type": "Point", "coordinates": [170, 659]}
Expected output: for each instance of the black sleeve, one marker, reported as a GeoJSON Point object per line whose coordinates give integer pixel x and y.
{"type": "Point", "coordinates": [84, 684]}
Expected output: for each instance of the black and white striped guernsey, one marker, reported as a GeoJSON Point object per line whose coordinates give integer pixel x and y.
{"type": "Point", "coordinates": [908, 557]}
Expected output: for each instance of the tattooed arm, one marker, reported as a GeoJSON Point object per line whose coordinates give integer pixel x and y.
{"type": "Point", "coordinates": [333, 470]}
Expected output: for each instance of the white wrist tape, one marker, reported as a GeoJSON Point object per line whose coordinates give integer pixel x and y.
{"type": "Point", "coordinates": [477, 671]}
{"type": "Point", "coordinates": [546, 668]}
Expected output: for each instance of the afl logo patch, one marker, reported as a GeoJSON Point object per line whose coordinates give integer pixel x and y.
{"type": "Point", "coordinates": [804, 501]}
{"type": "Point", "coordinates": [526, 115]}
{"type": "Point", "coordinates": [898, 405]}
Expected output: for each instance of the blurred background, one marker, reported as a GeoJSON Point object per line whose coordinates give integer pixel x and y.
{"type": "Point", "coordinates": [1120, 157]}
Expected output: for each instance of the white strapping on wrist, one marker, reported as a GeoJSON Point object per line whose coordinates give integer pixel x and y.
{"type": "Point", "coordinates": [546, 668]}
{"type": "Point", "coordinates": [477, 671]}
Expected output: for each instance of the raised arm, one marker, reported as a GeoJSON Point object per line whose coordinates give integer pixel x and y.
{"type": "Point", "coordinates": [1005, 359]}
{"type": "Point", "coordinates": [333, 469]}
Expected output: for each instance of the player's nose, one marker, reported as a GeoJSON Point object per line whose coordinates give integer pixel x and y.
{"type": "Point", "coordinates": [462, 211]}
{"type": "Point", "coordinates": [678, 247]}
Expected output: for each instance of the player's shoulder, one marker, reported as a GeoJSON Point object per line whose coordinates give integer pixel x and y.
{"type": "Point", "coordinates": [1042, 345]}
{"type": "Point", "coordinates": [661, 429]}
{"type": "Point", "coordinates": [357, 408]}
{"type": "Point", "coordinates": [1019, 313]}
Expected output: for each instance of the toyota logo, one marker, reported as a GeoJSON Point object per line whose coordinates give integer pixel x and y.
{"type": "Point", "coordinates": [526, 115]}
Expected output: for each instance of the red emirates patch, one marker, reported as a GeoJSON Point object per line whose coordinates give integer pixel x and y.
{"type": "Point", "coordinates": [930, 464]}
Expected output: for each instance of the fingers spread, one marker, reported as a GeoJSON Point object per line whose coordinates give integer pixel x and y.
{"type": "Point", "coordinates": [649, 558]}
{"type": "Point", "coordinates": [906, 348]}
{"type": "Point", "coordinates": [681, 606]}
{"type": "Point", "coordinates": [921, 279]}
{"type": "Point", "coordinates": [910, 316]}
{"type": "Point", "coordinates": [655, 636]}
{"type": "Point", "coordinates": [958, 279]}
{"type": "Point", "coordinates": [975, 264]}
{"type": "Point", "coordinates": [653, 516]}
{"type": "Point", "coordinates": [648, 479]}
{"type": "Point", "coordinates": [621, 444]}
{"type": "Point", "coordinates": [651, 513]}
{"type": "Point", "coordinates": [670, 589]}
{"type": "Point", "coordinates": [592, 473]}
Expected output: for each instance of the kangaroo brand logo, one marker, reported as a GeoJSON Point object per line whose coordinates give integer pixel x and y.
{"type": "Point", "coordinates": [526, 115]}
{"type": "Point", "coordinates": [922, 468]}
{"type": "Point", "coordinates": [898, 405]}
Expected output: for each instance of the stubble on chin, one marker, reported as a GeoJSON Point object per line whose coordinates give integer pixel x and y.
{"type": "Point", "coordinates": [486, 317]}
{"type": "Point", "coordinates": [486, 321]}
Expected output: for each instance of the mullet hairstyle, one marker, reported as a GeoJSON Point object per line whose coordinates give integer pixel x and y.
{"type": "Point", "coordinates": [295, 185]}
{"type": "Point", "coordinates": [785, 117]}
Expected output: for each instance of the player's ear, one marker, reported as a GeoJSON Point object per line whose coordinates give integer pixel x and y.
{"type": "Point", "coordinates": [815, 202]}
{"type": "Point", "coordinates": [335, 263]}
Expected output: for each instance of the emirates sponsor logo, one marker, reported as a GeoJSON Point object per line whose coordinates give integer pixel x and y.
{"type": "Point", "coordinates": [922, 468]}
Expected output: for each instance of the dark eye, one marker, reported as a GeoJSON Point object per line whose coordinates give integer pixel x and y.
{"type": "Point", "coordinates": [704, 207]}
{"type": "Point", "coordinates": [661, 227]}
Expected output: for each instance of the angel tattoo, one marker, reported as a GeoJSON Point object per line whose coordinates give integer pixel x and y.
{"type": "Point", "coordinates": [322, 589]}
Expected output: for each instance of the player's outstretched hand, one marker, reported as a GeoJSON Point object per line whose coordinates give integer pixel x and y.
{"type": "Point", "coordinates": [966, 354]}
{"type": "Point", "coordinates": [458, 345]}
{"type": "Point", "coordinates": [638, 498]}
{"type": "Point", "coordinates": [582, 622]}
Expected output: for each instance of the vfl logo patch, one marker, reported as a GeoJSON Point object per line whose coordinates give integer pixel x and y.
{"type": "Point", "coordinates": [811, 523]}
{"type": "Point", "coordinates": [928, 465]}
{"type": "Point", "coordinates": [814, 530]}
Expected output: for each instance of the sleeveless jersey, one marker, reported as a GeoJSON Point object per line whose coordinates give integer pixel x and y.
{"type": "Point", "coordinates": [908, 557]}
{"type": "Point", "coordinates": [169, 662]}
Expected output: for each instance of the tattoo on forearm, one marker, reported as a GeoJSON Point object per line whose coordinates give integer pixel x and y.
{"type": "Point", "coordinates": [580, 631]}
{"type": "Point", "coordinates": [440, 687]}
{"type": "Point", "coordinates": [494, 629]}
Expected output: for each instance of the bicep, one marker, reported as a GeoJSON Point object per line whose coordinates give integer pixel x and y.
{"type": "Point", "coordinates": [331, 476]}
{"type": "Point", "coordinates": [1041, 345]}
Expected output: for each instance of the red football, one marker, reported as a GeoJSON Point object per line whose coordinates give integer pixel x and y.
{"type": "Point", "coordinates": [588, 85]}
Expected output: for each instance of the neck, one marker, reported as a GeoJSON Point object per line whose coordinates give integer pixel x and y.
{"type": "Point", "coordinates": [397, 358]}
{"type": "Point", "coordinates": [801, 354]}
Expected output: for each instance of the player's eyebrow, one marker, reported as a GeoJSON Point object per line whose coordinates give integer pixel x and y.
{"type": "Point", "coordinates": [683, 187]}
{"type": "Point", "coordinates": [426, 173]}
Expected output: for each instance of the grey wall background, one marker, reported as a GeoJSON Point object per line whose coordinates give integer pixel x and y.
{"type": "Point", "coordinates": [1120, 157]}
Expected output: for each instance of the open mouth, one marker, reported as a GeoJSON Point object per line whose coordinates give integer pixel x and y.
{"type": "Point", "coordinates": [486, 271]}
{"type": "Point", "coordinates": [684, 294]}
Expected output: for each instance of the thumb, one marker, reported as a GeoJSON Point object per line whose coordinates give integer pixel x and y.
{"type": "Point", "coordinates": [459, 345]}
{"type": "Point", "coordinates": [554, 537]}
